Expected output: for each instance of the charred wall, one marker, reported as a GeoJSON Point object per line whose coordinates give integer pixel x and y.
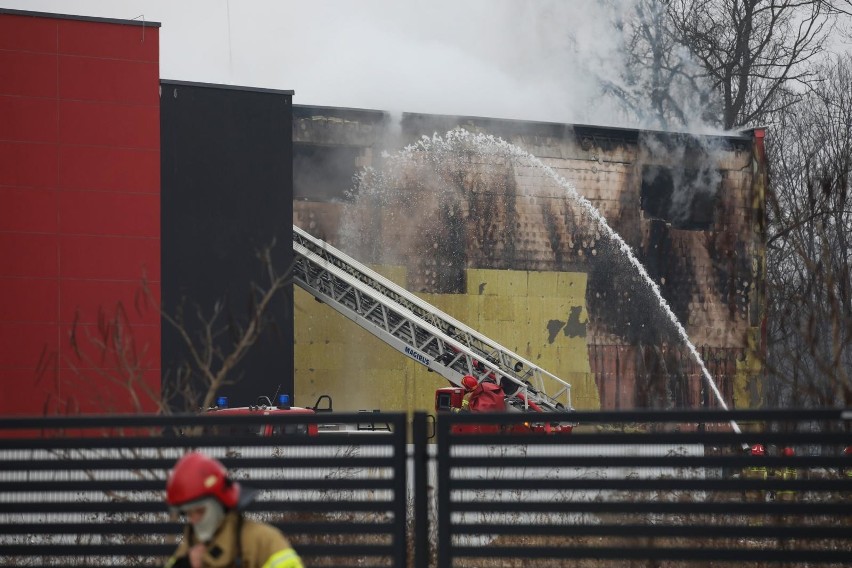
{"type": "Point", "coordinates": [682, 205]}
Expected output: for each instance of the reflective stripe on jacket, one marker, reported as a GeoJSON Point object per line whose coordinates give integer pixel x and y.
{"type": "Point", "coordinates": [284, 559]}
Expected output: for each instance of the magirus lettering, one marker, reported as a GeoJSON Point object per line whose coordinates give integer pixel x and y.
{"type": "Point", "coordinates": [416, 356]}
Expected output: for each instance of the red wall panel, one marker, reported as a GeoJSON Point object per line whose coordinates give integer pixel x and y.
{"type": "Point", "coordinates": [105, 168]}
{"type": "Point", "coordinates": [28, 165]}
{"type": "Point", "coordinates": [28, 74]}
{"type": "Point", "coordinates": [110, 214]}
{"type": "Point", "coordinates": [25, 345]}
{"type": "Point", "coordinates": [28, 33]}
{"type": "Point", "coordinates": [29, 255]}
{"type": "Point", "coordinates": [141, 347]}
{"type": "Point", "coordinates": [110, 258]}
{"type": "Point", "coordinates": [107, 124]}
{"type": "Point", "coordinates": [83, 300]}
{"type": "Point", "coordinates": [31, 389]}
{"type": "Point", "coordinates": [29, 300]}
{"type": "Point", "coordinates": [28, 120]}
{"type": "Point", "coordinates": [64, 390]}
{"type": "Point", "coordinates": [109, 397]}
{"type": "Point", "coordinates": [28, 210]}
{"type": "Point", "coordinates": [108, 80]}
{"type": "Point", "coordinates": [109, 41]}
{"type": "Point", "coordinates": [79, 188]}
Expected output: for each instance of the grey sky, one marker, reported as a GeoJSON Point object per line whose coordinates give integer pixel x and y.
{"type": "Point", "coordinates": [524, 59]}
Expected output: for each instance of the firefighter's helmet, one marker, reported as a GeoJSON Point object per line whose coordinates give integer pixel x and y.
{"type": "Point", "coordinates": [758, 450]}
{"type": "Point", "coordinates": [196, 476]}
{"type": "Point", "coordinates": [788, 452]}
{"type": "Point", "coordinates": [469, 382]}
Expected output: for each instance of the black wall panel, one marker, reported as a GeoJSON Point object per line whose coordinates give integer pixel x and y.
{"type": "Point", "coordinates": [227, 192]}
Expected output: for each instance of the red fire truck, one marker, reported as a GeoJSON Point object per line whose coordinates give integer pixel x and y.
{"type": "Point", "coordinates": [450, 399]}
{"type": "Point", "coordinates": [264, 407]}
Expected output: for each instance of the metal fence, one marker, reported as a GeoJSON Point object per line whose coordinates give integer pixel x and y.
{"type": "Point", "coordinates": [89, 491]}
{"type": "Point", "coordinates": [649, 488]}
{"type": "Point", "coordinates": [668, 488]}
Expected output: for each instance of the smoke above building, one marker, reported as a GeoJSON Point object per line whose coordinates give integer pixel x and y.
{"type": "Point", "coordinates": [548, 60]}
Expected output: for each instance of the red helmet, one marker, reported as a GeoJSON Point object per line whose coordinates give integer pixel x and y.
{"type": "Point", "coordinates": [196, 476]}
{"type": "Point", "coordinates": [469, 382]}
{"type": "Point", "coordinates": [758, 450]}
{"type": "Point", "coordinates": [788, 452]}
{"type": "Point", "coordinates": [848, 451]}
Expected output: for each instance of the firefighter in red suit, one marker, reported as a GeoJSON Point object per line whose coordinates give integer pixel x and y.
{"type": "Point", "coordinates": [483, 396]}
{"type": "Point", "coordinates": [217, 535]}
{"type": "Point", "coordinates": [469, 383]}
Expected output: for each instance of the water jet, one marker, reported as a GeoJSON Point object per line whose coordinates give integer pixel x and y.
{"type": "Point", "coordinates": [460, 146]}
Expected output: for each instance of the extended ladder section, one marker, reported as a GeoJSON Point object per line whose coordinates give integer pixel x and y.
{"type": "Point", "coordinates": [419, 330]}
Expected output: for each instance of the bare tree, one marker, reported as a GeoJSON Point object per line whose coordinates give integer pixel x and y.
{"type": "Point", "coordinates": [661, 85]}
{"type": "Point", "coordinates": [108, 356]}
{"type": "Point", "coordinates": [107, 363]}
{"type": "Point", "coordinates": [808, 254]}
{"type": "Point", "coordinates": [754, 51]}
{"type": "Point", "coordinates": [841, 6]}
{"type": "Point", "coordinates": [217, 342]}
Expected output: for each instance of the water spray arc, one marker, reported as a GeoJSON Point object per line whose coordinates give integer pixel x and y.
{"type": "Point", "coordinates": [436, 148]}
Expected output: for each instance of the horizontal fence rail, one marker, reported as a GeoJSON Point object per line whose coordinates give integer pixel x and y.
{"type": "Point", "coordinates": [677, 488]}
{"type": "Point", "coordinates": [666, 489]}
{"type": "Point", "coordinates": [89, 491]}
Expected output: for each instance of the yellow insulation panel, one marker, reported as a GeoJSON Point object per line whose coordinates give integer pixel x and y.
{"type": "Point", "coordinates": [514, 308]}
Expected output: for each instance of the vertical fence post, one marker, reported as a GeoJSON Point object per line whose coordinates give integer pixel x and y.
{"type": "Point", "coordinates": [400, 490]}
{"type": "Point", "coordinates": [442, 455]}
{"type": "Point", "coordinates": [420, 487]}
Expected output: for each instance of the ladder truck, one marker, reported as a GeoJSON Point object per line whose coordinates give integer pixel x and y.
{"type": "Point", "coordinates": [427, 335]}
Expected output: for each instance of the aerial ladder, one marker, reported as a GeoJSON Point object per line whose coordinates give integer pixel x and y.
{"type": "Point", "coordinates": [419, 330]}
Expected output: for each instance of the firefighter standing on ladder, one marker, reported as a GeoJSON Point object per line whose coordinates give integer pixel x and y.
{"type": "Point", "coordinates": [469, 383]}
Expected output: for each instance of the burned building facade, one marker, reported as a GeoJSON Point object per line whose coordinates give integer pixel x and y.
{"type": "Point", "coordinates": [626, 262]}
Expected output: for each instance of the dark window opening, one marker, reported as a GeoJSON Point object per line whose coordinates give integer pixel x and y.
{"type": "Point", "coordinates": [290, 430]}
{"type": "Point", "coordinates": [234, 430]}
{"type": "Point", "coordinates": [445, 401]}
{"type": "Point", "coordinates": [684, 198]}
{"type": "Point", "coordinates": [323, 173]}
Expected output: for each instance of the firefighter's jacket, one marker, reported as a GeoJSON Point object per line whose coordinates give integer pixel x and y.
{"type": "Point", "coordinates": [259, 546]}
{"type": "Point", "coordinates": [487, 397]}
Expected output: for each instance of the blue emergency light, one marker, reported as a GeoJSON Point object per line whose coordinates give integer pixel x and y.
{"type": "Point", "coordinates": [284, 401]}
{"type": "Point", "coordinates": [222, 402]}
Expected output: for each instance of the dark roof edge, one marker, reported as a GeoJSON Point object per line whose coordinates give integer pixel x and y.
{"type": "Point", "coordinates": [615, 131]}
{"type": "Point", "coordinates": [143, 22]}
{"type": "Point", "coordinates": [223, 86]}
{"type": "Point", "coordinates": [310, 110]}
